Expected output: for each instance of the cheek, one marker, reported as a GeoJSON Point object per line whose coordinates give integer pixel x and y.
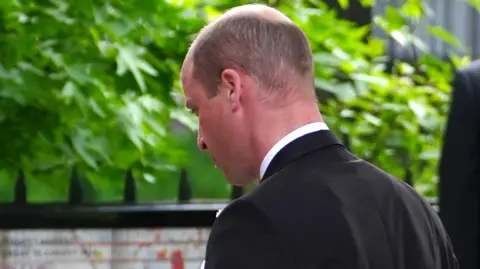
{"type": "Point", "coordinates": [208, 126]}
{"type": "Point", "coordinates": [215, 128]}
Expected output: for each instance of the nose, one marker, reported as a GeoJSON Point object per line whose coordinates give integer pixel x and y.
{"type": "Point", "coordinates": [200, 141]}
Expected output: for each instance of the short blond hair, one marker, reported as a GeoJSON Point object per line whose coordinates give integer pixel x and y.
{"type": "Point", "coordinates": [255, 39]}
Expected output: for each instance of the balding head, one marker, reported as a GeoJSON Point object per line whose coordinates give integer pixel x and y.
{"type": "Point", "coordinates": [256, 10]}
{"type": "Point", "coordinates": [257, 40]}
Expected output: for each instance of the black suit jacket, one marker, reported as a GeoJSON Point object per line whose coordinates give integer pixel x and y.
{"type": "Point", "coordinates": [459, 171]}
{"type": "Point", "coordinates": [321, 207]}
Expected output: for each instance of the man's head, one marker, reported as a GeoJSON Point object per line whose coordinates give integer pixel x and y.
{"type": "Point", "coordinates": [240, 70]}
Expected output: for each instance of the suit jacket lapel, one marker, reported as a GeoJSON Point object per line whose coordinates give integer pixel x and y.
{"type": "Point", "coordinates": [300, 147]}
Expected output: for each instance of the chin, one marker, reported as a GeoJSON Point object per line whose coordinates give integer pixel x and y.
{"type": "Point", "coordinates": [238, 184]}
{"type": "Point", "coordinates": [238, 180]}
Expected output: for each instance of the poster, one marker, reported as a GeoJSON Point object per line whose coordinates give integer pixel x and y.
{"type": "Point", "coordinates": [103, 249]}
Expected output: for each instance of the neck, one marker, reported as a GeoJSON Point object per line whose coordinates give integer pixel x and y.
{"type": "Point", "coordinates": [269, 130]}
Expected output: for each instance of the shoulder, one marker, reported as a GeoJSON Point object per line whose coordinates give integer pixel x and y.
{"type": "Point", "coordinates": [245, 214]}
{"type": "Point", "coordinates": [238, 209]}
{"type": "Point", "coordinates": [466, 88]}
{"type": "Point", "coordinates": [473, 68]}
{"type": "Point", "coordinates": [468, 77]}
{"type": "Point", "coordinates": [243, 237]}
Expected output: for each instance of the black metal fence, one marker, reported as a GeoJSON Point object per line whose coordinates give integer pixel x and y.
{"type": "Point", "coordinates": [184, 195]}
{"type": "Point", "coordinates": [76, 192]}
{"type": "Point", "coordinates": [129, 213]}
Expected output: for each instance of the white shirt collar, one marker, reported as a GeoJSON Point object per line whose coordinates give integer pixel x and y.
{"type": "Point", "coordinates": [306, 129]}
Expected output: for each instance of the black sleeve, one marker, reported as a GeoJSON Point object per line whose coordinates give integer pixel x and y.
{"type": "Point", "coordinates": [460, 147]}
{"type": "Point", "coordinates": [243, 238]}
{"type": "Point", "coordinates": [458, 171]}
{"type": "Point", "coordinates": [444, 244]}
{"type": "Point", "coordinates": [461, 134]}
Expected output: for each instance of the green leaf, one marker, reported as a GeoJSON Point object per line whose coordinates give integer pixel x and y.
{"type": "Point", "coordinates": [445, 36]}
{"type": "Point", "coordinates": [80, 143]}
{"type": "Point", "coordinates": [413, 8]}
{"type": "Point", "coordinates": [474, 3]}
{"type": "Point", "coordinates": [376, 80]}
{"type": "Point", "coordinates": [367, 3]}
{"type": "Point", "coordinates": [344, 3]}
{"type": "Point", "coordinates": [69, 91]}
{"type": "Point", "coordinates": [128, 59]}
{"type": "Point", "coordinates": [394, 19]}
{"type": "Point", "coordinates": [343, 91]}
{"type": "Point", "coordinates": [417, 108]}
{"type": "Point", "coordinates": [460, 61]}
{"type": "Point", "coordinates": [372, 119]}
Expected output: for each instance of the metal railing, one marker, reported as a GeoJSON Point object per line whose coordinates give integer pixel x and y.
{"type": "Point", "coordinates": [129, 213]}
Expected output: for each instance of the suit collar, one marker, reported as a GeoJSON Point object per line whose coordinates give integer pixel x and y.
{"type": "Point", "coordinates": [300, 147]}
{"type": "Point", "coordinates": [305, 129]}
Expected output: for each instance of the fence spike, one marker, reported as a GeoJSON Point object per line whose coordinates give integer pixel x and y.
{"type": "Point", "coordinates": [129, 189]}
{"type": "Point", "coordinates": [407, 162]}
{"type": "Point", "coordinates": [20, 194]}
{"type": "Point", "coordinates": [75, 195]}
{"type": "Point", "coordinates": [346, 141]}
{"type": "Point", "coordinates": [237, 191]}
{"type": "Point", "coordinates": [184, 188]}
{"type": "Point", "coordinates": [409, 177]}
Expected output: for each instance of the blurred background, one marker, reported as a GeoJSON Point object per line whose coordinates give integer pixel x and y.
{"type": "Point", "coordinates": [94, 86]}
{"type": "Point", "coordinates": [90, 94]}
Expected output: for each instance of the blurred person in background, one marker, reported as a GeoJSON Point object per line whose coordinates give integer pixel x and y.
{"type": "Point", "coordinates": [459, 170]}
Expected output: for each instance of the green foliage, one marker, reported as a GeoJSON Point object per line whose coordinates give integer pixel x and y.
{"type": "Point", "coordinates": [395, 112]}
{"type": "Point", "coordinates": [392, 112]}
{"type": "Point", "coordinates": [90, 84]}
{"type": "Point", "coordinates": [94, 85]}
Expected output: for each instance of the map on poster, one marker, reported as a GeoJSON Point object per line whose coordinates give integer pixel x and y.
{"type": "Point", "coordinates": [103, 249]}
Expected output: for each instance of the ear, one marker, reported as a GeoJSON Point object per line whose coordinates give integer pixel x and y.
{"type": "Point", "coordinates": [231, 86]}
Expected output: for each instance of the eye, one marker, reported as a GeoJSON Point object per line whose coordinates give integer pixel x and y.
{"type": "Point", "coordinates": [194, 111]}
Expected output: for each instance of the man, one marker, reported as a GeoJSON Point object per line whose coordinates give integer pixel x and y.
{"type": "Point", "coordinates": [460, 167]}
{"type": "Point", "coordinates": [249, 77]}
